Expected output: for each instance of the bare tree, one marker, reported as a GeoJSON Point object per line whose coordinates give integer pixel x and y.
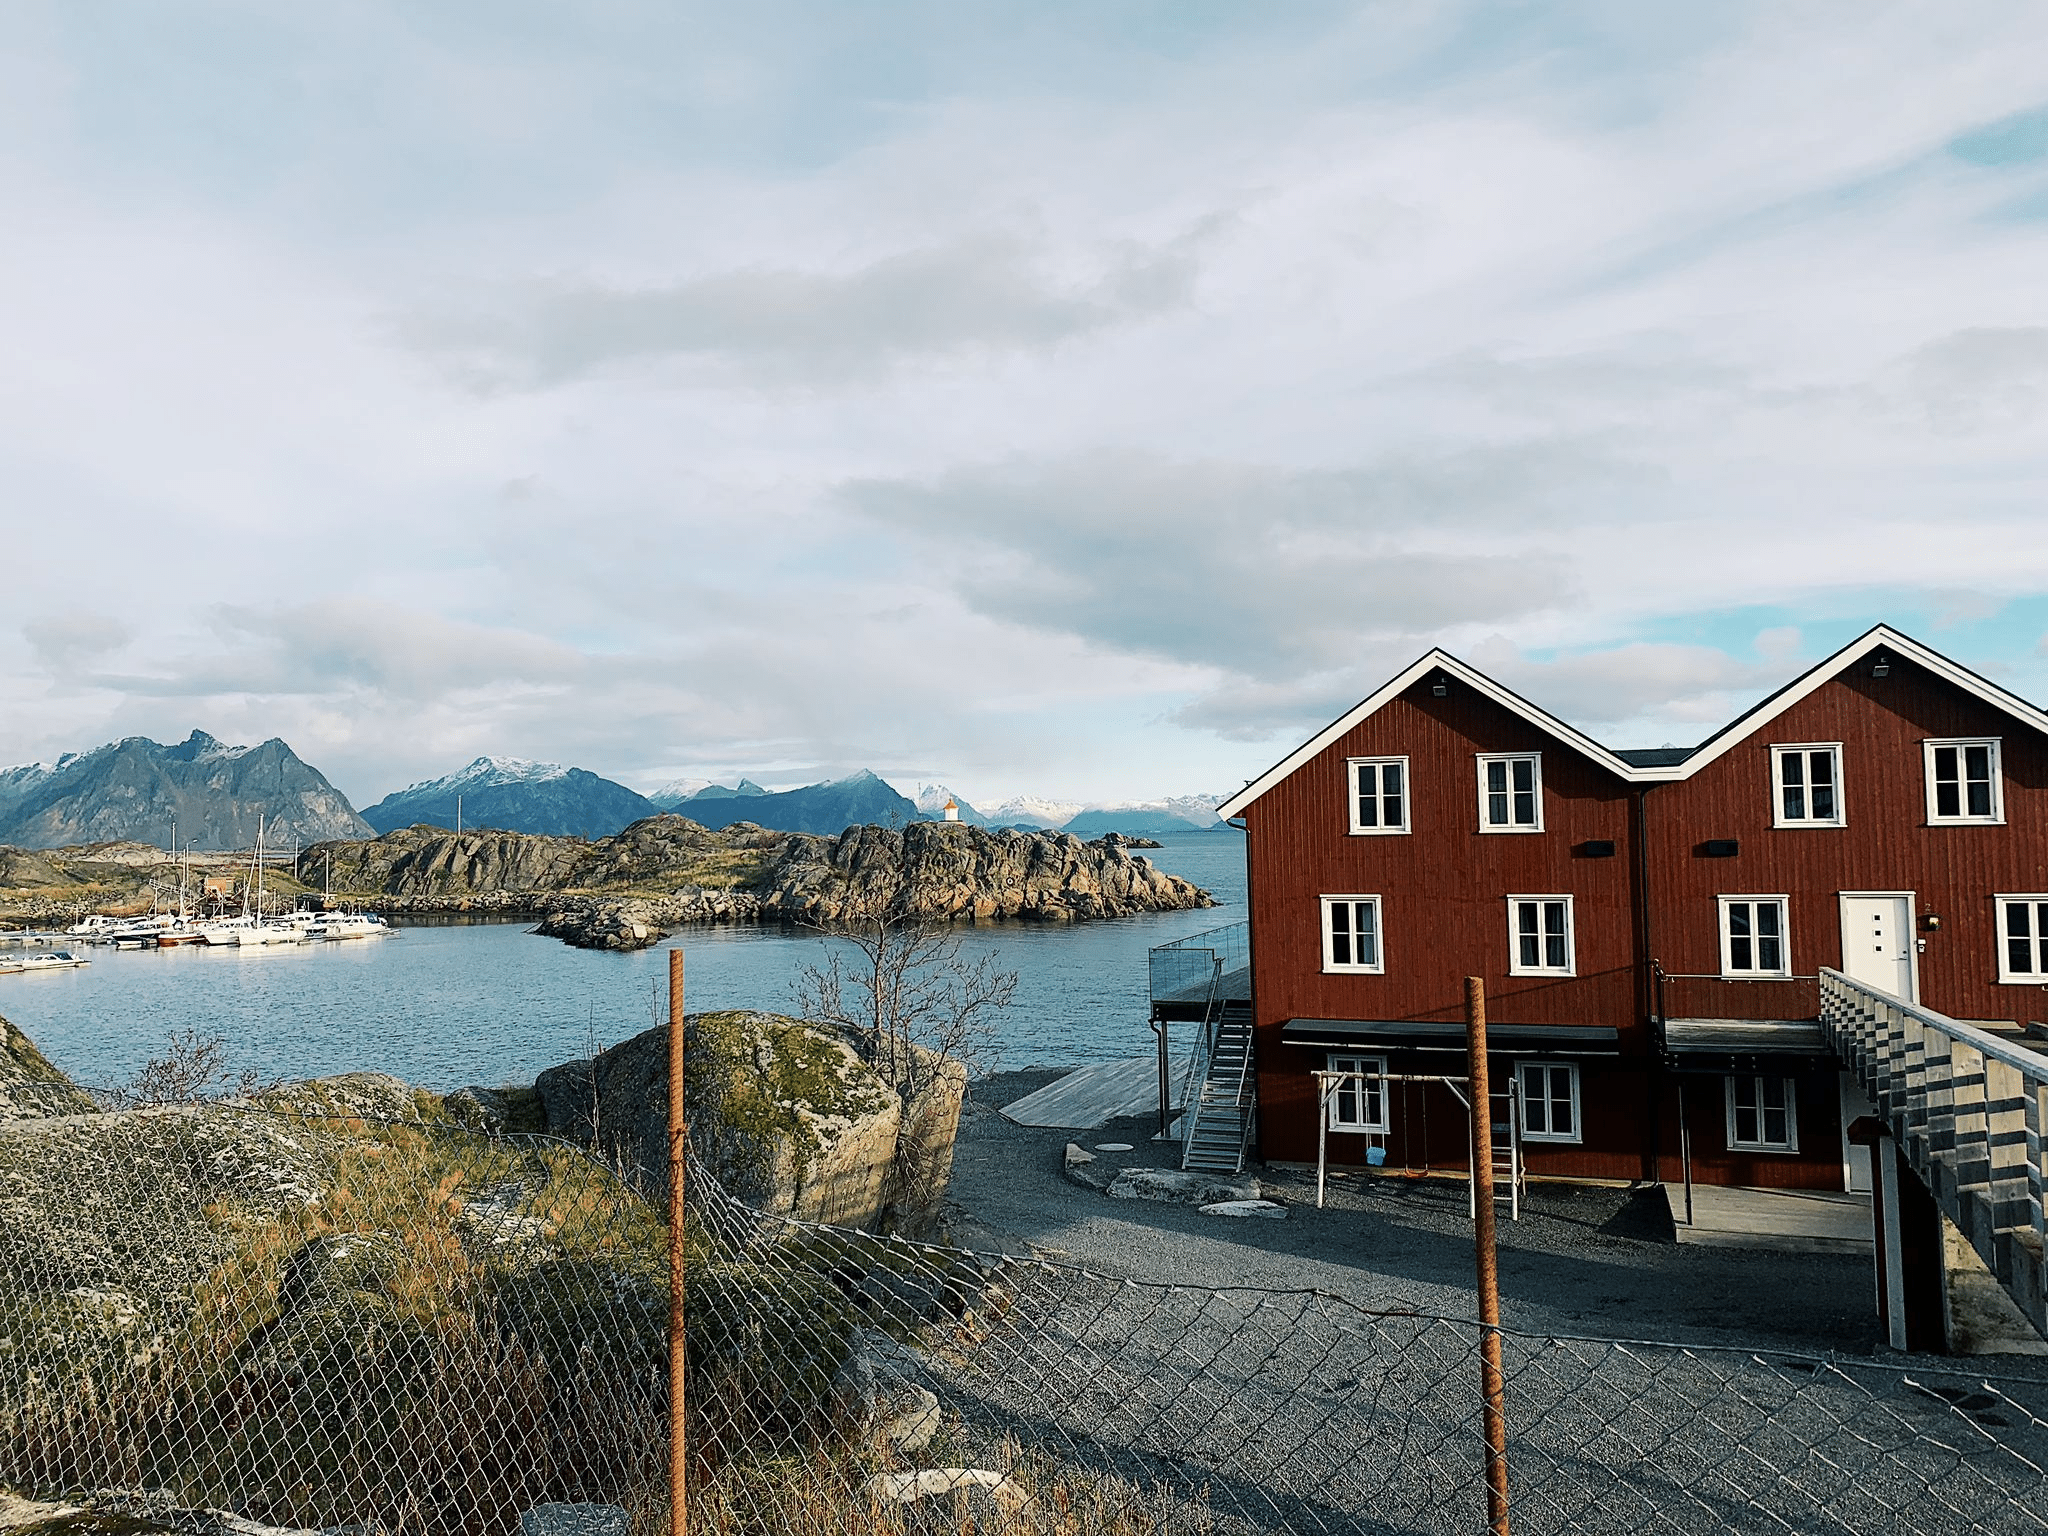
{"type": "Point", "coordinates": [923, 1016]}
{"type": "Point", "coordinates": [192, 1066]}
{"type": "Point", "coordinates": [914, 1004]}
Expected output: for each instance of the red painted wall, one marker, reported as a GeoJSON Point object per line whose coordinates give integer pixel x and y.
{"type": "Point", "coordinates": [1887, 845]}
{"type": "Point", "coordinates": [1444, 887]}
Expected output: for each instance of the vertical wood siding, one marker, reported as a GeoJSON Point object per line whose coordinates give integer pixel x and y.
{"type": "Point", "coordinates": [1443, 889]}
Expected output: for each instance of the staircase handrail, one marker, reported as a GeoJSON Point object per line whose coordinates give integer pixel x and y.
{"type": "Point", "coordinates": [1195, 1090]}
{"type": "Point", "coordinates": [1972, 1129]}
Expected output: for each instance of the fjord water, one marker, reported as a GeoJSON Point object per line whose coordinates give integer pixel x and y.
{"type": "Point", "coordinates": [441, 1005]}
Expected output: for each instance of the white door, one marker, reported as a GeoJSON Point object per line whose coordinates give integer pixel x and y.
{"type": "Point", "coordinates": [1877, 942]}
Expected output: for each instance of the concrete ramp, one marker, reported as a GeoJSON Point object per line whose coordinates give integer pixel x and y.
{"type": "Point", "coordinates": [1091, 1096]}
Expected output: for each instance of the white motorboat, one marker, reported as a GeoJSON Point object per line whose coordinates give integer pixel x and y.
{"type": "Point", "coordinates": [271, 932]}
{"type": "Point", "coordinates": [93, 927]}
{"type": "Point", "coordinates": [350, 925]}
{"type": "Point", "coordinates": [45, 960]}
{"type": "Point", "coordinates": [225, 931]}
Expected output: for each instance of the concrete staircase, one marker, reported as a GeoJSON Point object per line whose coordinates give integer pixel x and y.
{"type": "Point", "coordinates": [1220, 1118]}
{"type": "Point", "coordinates": [1966, 1111]}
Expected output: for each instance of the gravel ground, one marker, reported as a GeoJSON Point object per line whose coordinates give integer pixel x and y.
{"type": "Point", "coordinates": [1272, 1409]}
{"type": "Point", "coordinates": [1582, 1260]}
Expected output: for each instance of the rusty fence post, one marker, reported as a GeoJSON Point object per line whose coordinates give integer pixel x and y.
{"type": "Point", "coordinates": [678, 1153]}
{"type": "Point", "coordinates": [1492, 1380]}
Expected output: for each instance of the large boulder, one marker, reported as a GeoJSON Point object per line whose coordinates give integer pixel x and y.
{"type": "Point", "coordinates": [30, 1088]}
{"type": "Point", "coordinates": [605, 925]}
{"type": "Point", "coordinates": [785, 1113]}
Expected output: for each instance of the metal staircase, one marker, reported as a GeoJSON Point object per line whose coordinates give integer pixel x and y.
{"type": "Point", "coordinates": [1219, 1119]}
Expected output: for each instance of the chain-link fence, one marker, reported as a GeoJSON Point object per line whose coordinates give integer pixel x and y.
{"type": "Point", "coordinates": [320, 1319]}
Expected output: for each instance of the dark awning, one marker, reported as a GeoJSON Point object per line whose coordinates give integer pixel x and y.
{"type": "Point", "coordinates": [1448, 1035]}
{"type": "Point", "coordinates": [1704, 1043]}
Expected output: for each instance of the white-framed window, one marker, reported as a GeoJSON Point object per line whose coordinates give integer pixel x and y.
{"type": "Point", "coordinates": [1754, 937]}
{"type": "Point", "coordinates": [1379, 794]}
{"type": "Point", "coordinates": [1540, 937]}
{"type": "Point", "coordinates": [1806, 785]}
{"type": "Point", "coordinates": [1550, 1101]}
{"type": "Point", "coordinates": [1964, 785]}
{"type": "Point", "coordinates": [1511, 792]}
{"type": "Point", "coordinates": [1763, 1114]}
{"type": "Point", "coordinates": [2023, 939]}
{"type": "Point", "coordinates": [1359, 1104]}
{"type": "Point", "coordinates": [1351, 935]}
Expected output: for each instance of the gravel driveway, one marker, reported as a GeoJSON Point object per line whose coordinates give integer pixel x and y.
{"type": "Point", "coordinates": [1272, 1408]}
{"type": "Point", "coordinates": [1582, 1260]}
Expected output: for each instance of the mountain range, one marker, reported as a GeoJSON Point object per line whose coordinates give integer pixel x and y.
{"type": "Point", "coordinates": [141, 789]}
{"type": "Point", "coordinates": [137, 789]}
{"type": "Point", "coordinates": [512, 794]}
{"type": "Point", "coordinates": [830, 808]}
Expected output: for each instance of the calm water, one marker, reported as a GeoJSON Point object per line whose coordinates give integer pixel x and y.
{"type": "Point", "coordinates": [490, 1003]}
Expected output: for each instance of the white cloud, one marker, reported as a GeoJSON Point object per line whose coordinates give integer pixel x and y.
{"type": "Point", "coordinates": [1034, 398]}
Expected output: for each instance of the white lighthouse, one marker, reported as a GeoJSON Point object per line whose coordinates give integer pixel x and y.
{"type": "Point", "coordinates": [950, 811]}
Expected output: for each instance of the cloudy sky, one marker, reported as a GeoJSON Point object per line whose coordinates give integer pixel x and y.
{"type": "Point", "coordinates": [1074, 398]}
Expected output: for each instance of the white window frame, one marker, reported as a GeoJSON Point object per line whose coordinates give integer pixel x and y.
{"type": "Point", "coordinates": [1784, 906]}
{"type": "Point", "coordinates": [1787, 1148]}
{"type": "Point", "coordinates": [1935, 744]}
{"type": "Point", "coordinates": [1804, 750]}
{"type": "Point", "coordinates": [1354, 768]}
{"type": "Point", "coordinates": [1379, 928]}
{"type": "Point", "coordinates": [1577, 1135]}
{"type": "Point", "coordinates": [1571, 938]}
{"type": "Point", "coordinates": [1367, 1124]}
{"type": "Point", "coordinates": [2007, 976]}
{"type": "Point", "coordinates": [1535, 760]}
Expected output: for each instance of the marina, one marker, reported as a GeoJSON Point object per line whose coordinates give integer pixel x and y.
{"type": "Point", "coordinates": [456, 1002]}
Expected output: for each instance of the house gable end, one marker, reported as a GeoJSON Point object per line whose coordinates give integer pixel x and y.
{"type": "Point", "coordinates": [1454, 673]}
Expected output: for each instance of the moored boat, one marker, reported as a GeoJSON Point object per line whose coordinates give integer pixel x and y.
{"type": "Point", "coordinates": [350, 925]}
{"type": "Point", "coordinates": [45, 960]}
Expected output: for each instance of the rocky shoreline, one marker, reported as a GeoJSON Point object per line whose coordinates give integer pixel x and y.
{"type": "Point", "coordinates": [631, 889]}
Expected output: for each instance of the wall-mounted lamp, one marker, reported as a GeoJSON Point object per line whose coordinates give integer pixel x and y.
{"type": "Point", "coordinates": [1440, 688]}
{"type": "Point", "coordinates": [1931, 921]}
{"type": "Point", "coordinates": [1881, 665]}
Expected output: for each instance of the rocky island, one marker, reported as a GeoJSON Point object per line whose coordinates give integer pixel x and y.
{"type": "Point", "coordinates": [625, 891]}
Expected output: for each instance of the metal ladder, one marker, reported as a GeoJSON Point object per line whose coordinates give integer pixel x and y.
{"type": "Point", "coordinates": [1220, 1120]}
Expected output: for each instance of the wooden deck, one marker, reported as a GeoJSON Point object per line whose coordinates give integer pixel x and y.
{"type": "Point", "coordinates": [1091, 1096]}
{"type": "Point", "coordinates": [1785, 1220]}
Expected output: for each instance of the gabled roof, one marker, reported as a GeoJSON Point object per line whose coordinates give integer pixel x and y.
{"type": "Point", "coordinates": [1657, 765]}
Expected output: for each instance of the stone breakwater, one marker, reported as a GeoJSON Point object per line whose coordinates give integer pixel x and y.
{"type": "Point", "coordinates": [627, 891]}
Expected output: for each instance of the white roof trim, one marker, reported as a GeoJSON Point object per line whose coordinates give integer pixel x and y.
{"type": "Point", "coordinates": [1881, 637]}
{"type": "Point", "coordinates": [1435, 661]}
{"type": "Point", "coordinates": [1738, 730]}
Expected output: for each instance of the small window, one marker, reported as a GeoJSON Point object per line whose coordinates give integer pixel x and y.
{"type": "Point", "coordinates": [1379, 794]}
{"type": "Point", "coordinates": [1763, 1114]}
{"type": "Point", "coordinates": [1359, 1104]}
{"type": "Point", "coordinates": [2023, 939]}
{"type": "Point", "coordinates": [1511, 793]}
{"type": "Point", "coordinates": [1540, 938]}
{"type": "Point", "coordinates": [1754, 941]}
{"type": "Point", "coordinates": [1807, 784]}
{"type": "Point", "coordinates": [1550, 1101]}
{"type": "Point", "coordinates": [1963, 781]}
{"type": "Point", "coordinates": [1351, 934]}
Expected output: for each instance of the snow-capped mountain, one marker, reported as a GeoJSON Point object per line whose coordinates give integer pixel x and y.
{"type": "Point", "coordinates": [1034, 811]}
{"type": "Point", "coordinates": [676, 791]}
{"type": "Point", "coordinates": [1148, 818]}
{"type": "Point", "coordinates": [515, 795]}
{"type": "Point", "coordinates": [137, 788]}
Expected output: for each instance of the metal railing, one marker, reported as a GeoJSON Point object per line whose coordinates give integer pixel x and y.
{"type": "Point", "coordinates": [1184, 970]}
{"type": "Point", "coordinates": [1969, 1109]}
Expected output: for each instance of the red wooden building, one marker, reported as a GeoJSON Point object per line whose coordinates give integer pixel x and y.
{"type": "Point", "coordinates": [1649, 924]}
